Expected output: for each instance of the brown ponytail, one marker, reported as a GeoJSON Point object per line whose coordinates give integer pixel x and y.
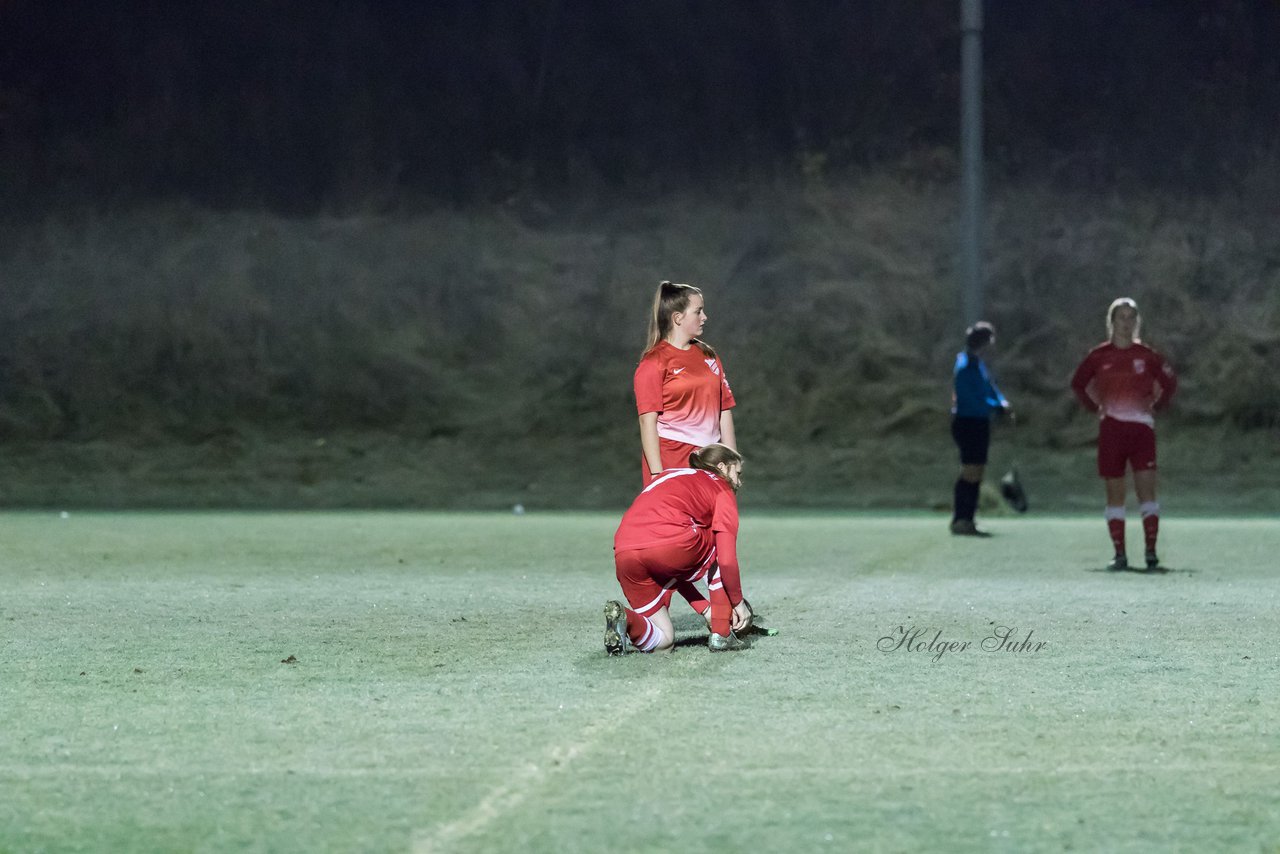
{"type": "Point", "coordinates": [671, 299]}
{"type": "Point", "coordinates": [710, 456]}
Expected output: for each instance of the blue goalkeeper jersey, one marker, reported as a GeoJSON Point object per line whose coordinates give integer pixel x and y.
{"type": "Point", "coordinates": [974, 394]}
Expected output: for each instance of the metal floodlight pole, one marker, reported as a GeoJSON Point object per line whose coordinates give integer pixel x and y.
{"type": "Point", "coordinates": [971, 202]}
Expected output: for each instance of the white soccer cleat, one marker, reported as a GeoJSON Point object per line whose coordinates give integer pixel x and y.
{"type": "Point", "coordinates": [725, 643]}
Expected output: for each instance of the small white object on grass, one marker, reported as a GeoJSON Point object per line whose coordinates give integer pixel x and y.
{"type": "Point", "coordinates": [518, 509]}
{"type": "Point", "coordinates": [64, 515]}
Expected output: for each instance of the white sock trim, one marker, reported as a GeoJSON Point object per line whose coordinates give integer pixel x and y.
{"type": "Point", "coordinates": [648, 632]}
{"type": "Point", "coordinates": [1150, 508]}
{"type": "Point", "coordinates": [652, 638]}
{"type": "Point", "coordinates": [1111, 513]}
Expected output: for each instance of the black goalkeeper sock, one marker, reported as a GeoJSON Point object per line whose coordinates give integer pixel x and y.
{"type": "Point", "coordinates": [961, 501]}
{"type": "Point", "coordinates": [966, 499]}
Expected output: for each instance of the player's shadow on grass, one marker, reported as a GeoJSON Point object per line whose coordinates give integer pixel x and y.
{"type": "Point", "coordinates": [691, 633]}
{"type": "Point", "coordinates": [1141, 570]}
{"type": "Point", "coordinates": [691, 630]}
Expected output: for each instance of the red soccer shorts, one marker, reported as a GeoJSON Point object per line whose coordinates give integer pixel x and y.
{"type": "Point", "coordinates": [1121, 442]}
{"type": "Point", "coordinates": [674, 455]}
{"type": "Point", "coordinates": [647, 574]}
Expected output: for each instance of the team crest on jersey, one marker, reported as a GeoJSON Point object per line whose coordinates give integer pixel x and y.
{"type": "Point", "coordinates": [711, 363]}
{"type": "Point", "coordinates": [1139, 366]}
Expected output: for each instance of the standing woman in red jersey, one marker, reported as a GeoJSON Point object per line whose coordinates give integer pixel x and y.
{"type": "Point", "coordinates": [1126, 382]}
{"type": "Point", "coordinates": [682, 395]}
{"type": "Point", "coordinates": [682, 527]}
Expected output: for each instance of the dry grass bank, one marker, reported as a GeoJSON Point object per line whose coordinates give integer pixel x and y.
{"type": "Point", "coordinates": [201, 357]}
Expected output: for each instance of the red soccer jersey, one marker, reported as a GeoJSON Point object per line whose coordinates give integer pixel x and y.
{"type": "Point", "coordinates": [688, 390]}
{"type": "Point", "coordinates": [1124, 383]}
{"type": "Point", "coordinates": [672, 509]}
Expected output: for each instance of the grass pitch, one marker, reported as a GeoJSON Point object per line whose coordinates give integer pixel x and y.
{"type": "Point", "coordinates": [411, 682]}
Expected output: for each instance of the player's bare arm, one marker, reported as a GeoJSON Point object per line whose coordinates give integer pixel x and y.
{"type": "Point", "coordinates": [727, 436]}
{"type": "Point", "coordinates": [649, 441]}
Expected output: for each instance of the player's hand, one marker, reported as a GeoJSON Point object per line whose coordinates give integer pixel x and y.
{"type": "Point", "coordinates": [741, 618]}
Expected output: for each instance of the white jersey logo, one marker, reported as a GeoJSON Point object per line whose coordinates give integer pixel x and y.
{"type": "Point", "coordinates": [1139, 366]}
{"type": "Point", "coordinates": [675, 371]}
{"type": "Point", "coordinates": [711, 363]}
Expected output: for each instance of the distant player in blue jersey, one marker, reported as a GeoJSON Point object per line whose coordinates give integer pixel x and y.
{"type": "Point", "coordinates": [975, 399]}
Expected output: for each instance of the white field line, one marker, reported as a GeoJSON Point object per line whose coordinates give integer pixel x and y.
{"type": "Point", "coordinates": [525, 780]}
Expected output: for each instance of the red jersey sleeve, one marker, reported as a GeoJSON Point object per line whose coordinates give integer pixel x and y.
{"type": "Point", "coordinates": [648, 386]}
{"type": "Point", "coordinates": [725, 515]}
{"type": "Point", "coordinates": [727, 561]}
{"type": "Point", "coordinates": [724, 523]}
{"type": "Point", "coordinates": [1080, 382]}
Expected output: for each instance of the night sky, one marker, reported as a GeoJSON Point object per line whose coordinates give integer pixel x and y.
{"type": "Point", "coordinates": [291, 105]}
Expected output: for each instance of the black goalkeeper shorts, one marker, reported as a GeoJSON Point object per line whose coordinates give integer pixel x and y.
{"type": "Point", "coordinates": [973, 438]}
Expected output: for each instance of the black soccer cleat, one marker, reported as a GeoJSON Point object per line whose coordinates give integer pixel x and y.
{"type": "Point", "coordinates": [967, 528]}
{"type": "Point", "coordinates": [1153, 560]}
{"type": "Point", "coordinates": [1119, 562]}
{"type": "Point", "coordinates": [1012, 492]}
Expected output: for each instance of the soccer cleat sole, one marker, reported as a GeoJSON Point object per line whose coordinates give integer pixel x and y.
{"type": "Point", "coordinates": [615, 628]}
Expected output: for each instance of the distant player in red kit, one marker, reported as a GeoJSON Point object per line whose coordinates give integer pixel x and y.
{"type": "Point", "coordinates": [1126, 382]}
{"type": "Point", "coordinates": [682, 527]}
{"type": "Point", "coordinates": [682, 394]}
